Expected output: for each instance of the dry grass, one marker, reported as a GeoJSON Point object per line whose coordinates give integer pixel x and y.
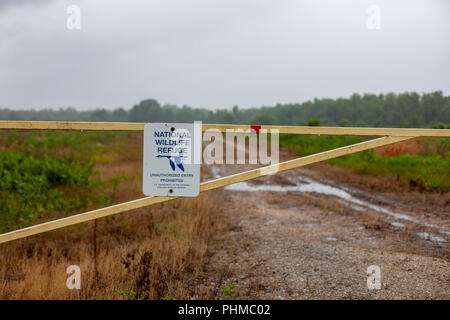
{"type": "Point", "coordinates": [412, 147]}
{"type": "Point", "coordinates": [158, 250]}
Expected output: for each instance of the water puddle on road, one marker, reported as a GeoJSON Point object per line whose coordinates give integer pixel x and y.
{"type": "Point", "coordinates": [307, 185]}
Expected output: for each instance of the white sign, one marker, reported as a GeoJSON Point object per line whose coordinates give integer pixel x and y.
{"type": "Point", "coordinates": [171, 159]}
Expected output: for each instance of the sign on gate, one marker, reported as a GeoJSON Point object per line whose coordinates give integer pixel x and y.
{"type": "Point", "coordinates": [171, 159]}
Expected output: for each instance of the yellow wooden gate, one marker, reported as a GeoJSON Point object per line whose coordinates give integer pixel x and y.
{"type": "Point", "coordinates": [387, 136]}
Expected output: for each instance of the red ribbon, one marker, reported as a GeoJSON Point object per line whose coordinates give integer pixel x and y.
{"type": "Point", "coordinates": [255, 129]}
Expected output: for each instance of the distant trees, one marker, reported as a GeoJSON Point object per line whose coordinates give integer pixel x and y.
{"type": "Point", "coordinates": [345, 123]}
{"type": "Point", "coordinates": [146, 111]}
{"type": "Point", "coordinates": [407, 109]}
{"type": "Point", "coordinates": [99, 115]}
{"type": "Point", "coordinates": [314, 122]}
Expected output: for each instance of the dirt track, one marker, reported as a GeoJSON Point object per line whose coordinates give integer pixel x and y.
{"type": "Point", "coordinates": [318, 239]}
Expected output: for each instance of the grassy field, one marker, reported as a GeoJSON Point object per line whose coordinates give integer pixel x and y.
{"type": "Point", "coordinates": [153, 253]}
{"type": "Point", "coordinates": [422, 163]}
{"type": "Point", "coordinates": [44, 173]}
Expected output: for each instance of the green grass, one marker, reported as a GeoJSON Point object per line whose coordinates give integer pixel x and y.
{"type": "Point", "coordinates": [429, 171]}
{"type": "Point", "coordinates": [31, 186]}
{"type": "Point", "coordinates": [77, 144]}
{"type": "Point", "coordinates": [228, 291]}
{"type": "Point", "coordinates": [45, 173]}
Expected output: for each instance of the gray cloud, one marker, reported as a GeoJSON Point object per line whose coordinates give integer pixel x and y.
{"type": "Point", "coordinates": [4, 4]}
{"type": "Point", "coordinates": [214, 54]}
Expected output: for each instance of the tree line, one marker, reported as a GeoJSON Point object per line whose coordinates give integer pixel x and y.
{"type": "Point", "coordinates": [408, 109]}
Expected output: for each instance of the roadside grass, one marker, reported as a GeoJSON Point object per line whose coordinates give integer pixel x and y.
{"type": "Point", "coordinates": [129, 258]}
{"type": "Point", "coordinates": [422, 163]}
{"type": "Point", "coordinates": [149, 253]}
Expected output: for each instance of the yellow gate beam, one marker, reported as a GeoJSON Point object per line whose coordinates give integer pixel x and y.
{"type": "Point", "coordinates": [139, 126]}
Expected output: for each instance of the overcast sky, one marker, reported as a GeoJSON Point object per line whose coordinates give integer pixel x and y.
{"type": "Point", "coordinates": [218, 53]}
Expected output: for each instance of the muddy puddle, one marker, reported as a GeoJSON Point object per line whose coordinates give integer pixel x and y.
{"type": "Point", "coordinates": [303, 184]}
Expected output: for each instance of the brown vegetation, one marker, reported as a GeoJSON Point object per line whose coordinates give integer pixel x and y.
{"type": "Point", "coordinates": [155, 252]}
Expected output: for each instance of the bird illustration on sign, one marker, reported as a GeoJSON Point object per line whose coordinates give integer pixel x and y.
{"type": "Point", "coordinates": [172, 161]}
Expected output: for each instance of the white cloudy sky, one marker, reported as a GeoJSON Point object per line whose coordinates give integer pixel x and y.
{"type": "Point", "coordinates": [217, 53]}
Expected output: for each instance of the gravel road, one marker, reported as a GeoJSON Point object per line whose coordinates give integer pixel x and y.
{"type": "Point", "coordinates": [300, 234]}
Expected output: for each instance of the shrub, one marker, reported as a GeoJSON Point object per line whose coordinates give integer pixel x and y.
{"type": "Point", "coordinates": [31, 186]}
